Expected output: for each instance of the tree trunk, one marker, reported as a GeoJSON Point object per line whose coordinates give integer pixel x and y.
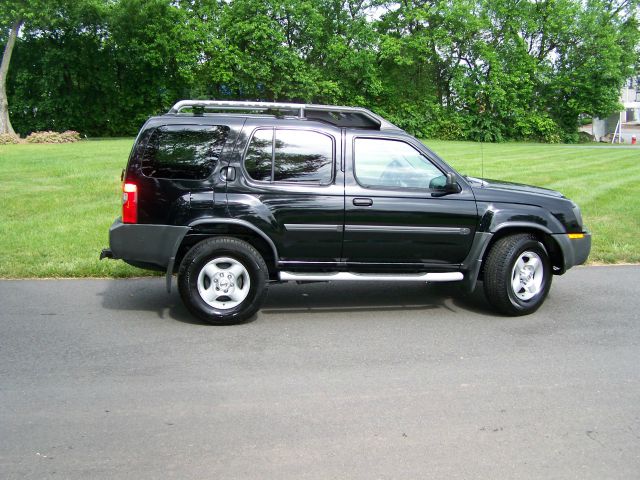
{"type": "Point", "coordinates": [5, 123]}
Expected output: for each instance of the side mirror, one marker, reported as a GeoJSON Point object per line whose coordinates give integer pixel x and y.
{"type": "Point", "coordinates": [450, 186]}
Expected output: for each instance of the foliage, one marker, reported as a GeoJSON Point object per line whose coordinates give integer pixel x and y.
{"type": "Point", "coordinates": [69, 136]}
{"type": "Point", "coordinates": [486, 70]}
{"type": "Point", "coordinates": [9, 139]}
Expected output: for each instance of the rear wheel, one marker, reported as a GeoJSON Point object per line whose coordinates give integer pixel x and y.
{"type": "Point", "coordinates": [517, 274]}
{"type": "Point", "coordinates": [223, 280]}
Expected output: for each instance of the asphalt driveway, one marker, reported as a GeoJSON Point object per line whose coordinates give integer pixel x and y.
{"type": "Point", "coordinates": [113, 379]}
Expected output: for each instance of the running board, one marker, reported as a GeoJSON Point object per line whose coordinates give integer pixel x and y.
{"type": "Point", "coordinates": [368, 277]}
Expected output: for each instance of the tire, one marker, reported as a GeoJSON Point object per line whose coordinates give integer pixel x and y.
{"type": "Point", "coordinates": [517, 274]}
{"type": "Point", "coordinates": [223, 280]}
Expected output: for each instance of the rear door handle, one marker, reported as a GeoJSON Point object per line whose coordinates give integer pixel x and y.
{"type": "Point", "coordinates": [228, 174]}
{"type": "Point", "coordinates": [362, 202]}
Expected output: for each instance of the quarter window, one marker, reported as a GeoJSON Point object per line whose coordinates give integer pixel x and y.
{"type": "Point", "coordinates": [260, 156]}
{"type": "Point", "coordinates": [299, 156]}
{"type": "Point", "coordinates": [183, 151]}
{"type": "Point", "coordinates": [394, 164]}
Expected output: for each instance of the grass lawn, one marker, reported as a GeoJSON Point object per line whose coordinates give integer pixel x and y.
{"type": "Point", "coordinates": [56, 205]}
{"type": "Point", "coordinates": [57, 201]}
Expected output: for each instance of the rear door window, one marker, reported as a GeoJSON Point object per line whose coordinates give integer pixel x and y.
{"type": "Point", "coordinates": [290, 156]}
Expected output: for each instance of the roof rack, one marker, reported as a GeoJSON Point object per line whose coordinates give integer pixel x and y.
{"type": "Point", "coordinates": [356, 117]}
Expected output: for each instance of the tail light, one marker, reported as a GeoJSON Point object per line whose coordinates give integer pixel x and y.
{"type": "Point", "coordinates": [130, 203]}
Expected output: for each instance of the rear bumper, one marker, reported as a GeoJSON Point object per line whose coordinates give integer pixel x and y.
{"type": "Point", "coordinates": [140, 244]}
{"type": "Point", "coordinates": [575, 251]}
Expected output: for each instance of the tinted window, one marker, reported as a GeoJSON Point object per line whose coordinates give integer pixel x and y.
{"type": "Point", "coordinates": [393, 164]}
{"type": "Point", "coordinates": [303, 157]}
{"type": "Point", "coordinates": [300, 156]}
{"type": "Point", "coordinates": [184, 152]}
{"type": "Point", "coordinates": [260, 155]}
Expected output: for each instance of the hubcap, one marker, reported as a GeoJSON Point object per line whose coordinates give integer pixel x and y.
{"type": "Point", "coordinates": [527, 276]}
{"type": "Point", "coordinates": [223, 283]}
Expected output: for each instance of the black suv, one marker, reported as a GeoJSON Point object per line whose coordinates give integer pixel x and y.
{"type": "Point", "coordinates": [234, 195]}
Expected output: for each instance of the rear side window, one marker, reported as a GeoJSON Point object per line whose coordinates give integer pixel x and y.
{"type": "Point", "coordinates": [259, 158]}
{"type": "Point", "coordinates": [188, 152]}
{"type": "Point", "coordinates": [290, 156]}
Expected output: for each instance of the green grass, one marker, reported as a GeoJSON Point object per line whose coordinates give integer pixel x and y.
{"type": "Point", "coordinates": [57, 201]}
{"type": "Point", "coordinates": [56, 205]}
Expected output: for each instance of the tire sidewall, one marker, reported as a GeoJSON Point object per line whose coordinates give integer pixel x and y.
{"type": "Point", "coordinates": [197, 305]}
{"type": "Point", "coordinates": [534, 303]}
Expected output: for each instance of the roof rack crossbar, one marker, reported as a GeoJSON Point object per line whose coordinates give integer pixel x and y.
{"type": "Point", "coordinates": [302, 110]}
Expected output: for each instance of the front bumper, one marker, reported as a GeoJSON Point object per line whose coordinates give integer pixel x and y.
{"type": "Point", "coordinates": [140, 244]}
{"type": "Point", "coordinates": [575, 251]}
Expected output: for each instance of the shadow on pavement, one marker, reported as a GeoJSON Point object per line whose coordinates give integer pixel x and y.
{"type": "Point", "coordinates": [290, 298]}
{"type": "Point", "coordinates": [145, 294]}
{"type": "Point", "coordinates": [347, 297]}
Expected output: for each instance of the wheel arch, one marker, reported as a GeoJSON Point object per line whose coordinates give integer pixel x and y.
{"type": "Point", "coordinates": [542, 233]}
{"type": "Point", "coordinates": [207, 228]}
{"type": "Point", "coordinates": [484, 242]}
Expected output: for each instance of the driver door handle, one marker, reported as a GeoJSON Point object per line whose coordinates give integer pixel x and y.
{"type": "Point", "coordinates": [362, 202]}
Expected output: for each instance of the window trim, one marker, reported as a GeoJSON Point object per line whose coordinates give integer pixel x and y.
{"type": "Point", "coordinates": [274, 129]}
{"type": "Point", "coordinates": [390, 187]}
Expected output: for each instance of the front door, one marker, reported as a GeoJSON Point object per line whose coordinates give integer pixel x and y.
{"type": "Point", "coordinates": [394, 214]}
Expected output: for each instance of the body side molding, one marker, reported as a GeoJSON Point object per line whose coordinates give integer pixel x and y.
{"type": "Point", "coordinates": [406, 229]}
{"type": "Point", "coordinates": [312, 227]}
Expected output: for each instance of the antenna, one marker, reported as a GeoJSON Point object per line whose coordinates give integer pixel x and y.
{"type": "Point", "coordinates": [481, 161]}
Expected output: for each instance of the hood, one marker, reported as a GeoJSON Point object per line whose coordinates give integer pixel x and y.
{"type": "Point", "coordinates": [497, 190]}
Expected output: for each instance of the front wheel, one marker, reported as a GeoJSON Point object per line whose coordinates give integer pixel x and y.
{"type": "Point", "coordinates": [223, 280]}
{"type": "Point", "coordinates": [517, 274]}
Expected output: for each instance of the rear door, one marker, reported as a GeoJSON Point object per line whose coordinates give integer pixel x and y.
{"type": "Point", "coordinates": [291, 189]}
{"type": "Point", "coordinates": [393, 214]}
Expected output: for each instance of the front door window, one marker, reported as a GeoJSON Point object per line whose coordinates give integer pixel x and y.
{"type": "Point", "coordinates": [382, 163]}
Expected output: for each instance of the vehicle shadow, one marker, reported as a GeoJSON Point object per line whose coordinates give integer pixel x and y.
{"type": "Point", "coordinates": [374, 297]}
{"type": "Point", "coordinates": [146, 295]}
{"type": "Point", "coordinates": [149, 294]}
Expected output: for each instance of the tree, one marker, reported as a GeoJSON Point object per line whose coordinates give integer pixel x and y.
{"type": "Point", "coordinates": [5, 122]}
{"type": "Point", "coordinates": [13, 16]}
{"type": "Point", "coordinates": [464, 69]}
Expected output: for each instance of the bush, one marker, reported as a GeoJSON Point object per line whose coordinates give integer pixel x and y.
{"type": "Point", "coordinates": [585, 137]}
{"type": "Point", "coordinates": [69, 136]}
{"type": "Point", "coordinates": [9, 139]}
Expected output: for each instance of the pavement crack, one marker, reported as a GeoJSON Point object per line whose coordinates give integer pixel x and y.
{"type": "Point", "coordinates": [593, 436]}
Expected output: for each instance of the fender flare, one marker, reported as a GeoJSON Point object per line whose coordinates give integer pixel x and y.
{"type": "Point", "coordinates": [481, 241]}
{"type": "Point", "coordinates": [217, 221]}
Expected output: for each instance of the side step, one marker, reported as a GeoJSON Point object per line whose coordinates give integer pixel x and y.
{"type": "Point", "coordinates": [368, 277]}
